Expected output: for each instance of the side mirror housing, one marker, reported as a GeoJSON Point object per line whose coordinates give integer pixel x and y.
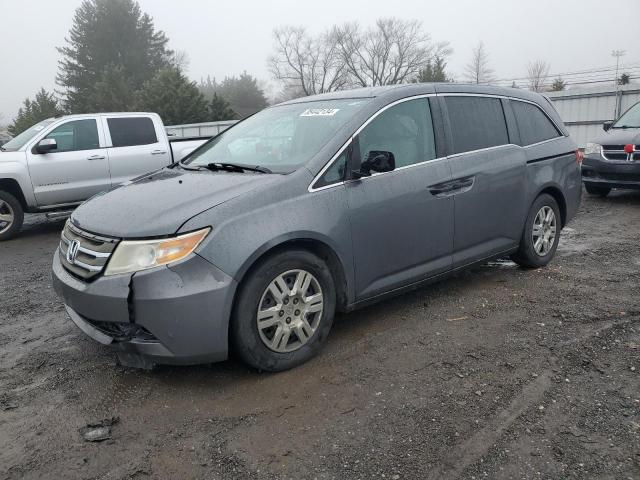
{"type": "Point", "coordinates": [377, 161]}
{"type": "Point", "coordinates": [607, 125]}
{"type": "Point", "coordinates": [46, 145]}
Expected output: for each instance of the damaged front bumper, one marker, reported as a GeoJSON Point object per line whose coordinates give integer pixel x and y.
{"type": "Point", "coordinates": [176, 314]}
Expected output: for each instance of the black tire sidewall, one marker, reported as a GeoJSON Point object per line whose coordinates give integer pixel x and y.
{"type": "Point", "coordinates": [244, 332]}
{"type": "Point", "coordinates": [18, 215]}
{"type": "Point", "coordinates": [526, 255]}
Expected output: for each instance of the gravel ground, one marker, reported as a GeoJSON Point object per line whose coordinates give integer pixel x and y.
{"type": "Point", "coordinates": [497, 372]}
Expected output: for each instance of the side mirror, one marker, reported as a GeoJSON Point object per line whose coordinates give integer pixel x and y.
{"type": "Point", "coordinates": [607, 125]}
{"type": "Point", "coordinates": [377, 161]}
{"type": "Point", "coordinates": [46, 145]}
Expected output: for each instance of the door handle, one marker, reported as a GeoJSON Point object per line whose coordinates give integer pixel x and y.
{"type": "Point", "coordinates": [158, 152]}
{"type": "Point", "coordinates": [96, 157]}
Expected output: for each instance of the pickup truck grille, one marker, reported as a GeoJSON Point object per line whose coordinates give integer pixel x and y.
{"type": "Point", "coordinates": [617, 153]}
{"type": "Point", "coordinates": [91, 252]}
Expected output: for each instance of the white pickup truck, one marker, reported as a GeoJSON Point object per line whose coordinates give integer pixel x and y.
{"type": "Point", "coordinates": [60, 162]}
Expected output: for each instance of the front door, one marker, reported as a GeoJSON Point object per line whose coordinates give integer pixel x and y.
{"type": "Point", "coordinates": [76, 170]}
{"type": "Point", "coordinates": [402, 227]}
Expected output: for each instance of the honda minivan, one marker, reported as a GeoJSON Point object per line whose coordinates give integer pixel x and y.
{"type": "Point", "coordinates": [321, 204]}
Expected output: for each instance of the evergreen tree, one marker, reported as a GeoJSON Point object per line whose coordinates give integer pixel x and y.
{"type": "Point", "coordinates": [243, 94]}
{"type": "Point", "coordinates": [558, 85]}
{"type": "Point", "coordinates": [171, 95]}
{"type": "Point", "coordinates": [624, 79]}
{"type": "Point", "coordinates": [433, 71]}
{"type": "Point", "coordinates": [113, 91]}
{"type": "Point", "coordinates": [43, 106]}
{"type": "Point", "coordinates": [219, 109]}
{"type": "Point", "coordinates": [107, 35]}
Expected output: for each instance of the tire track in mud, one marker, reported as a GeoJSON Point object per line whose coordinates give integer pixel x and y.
{"type": "Point", "coordinates": [477, 446]}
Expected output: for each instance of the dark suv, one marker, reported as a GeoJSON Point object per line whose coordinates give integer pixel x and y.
{"type": "Point", "coordinates": [315, 205]}
{"type": "Point", "coordinates": [612, 160]}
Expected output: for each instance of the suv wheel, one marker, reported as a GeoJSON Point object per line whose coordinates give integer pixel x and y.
{"type": "Point", "coordinates": [541, 233]}
{"type": "Point", "coordinates": [284, 311]}
{"type": "Point", "coordinates": [11, 216]}
{"type": "Point", "coordinates": [595, 190]}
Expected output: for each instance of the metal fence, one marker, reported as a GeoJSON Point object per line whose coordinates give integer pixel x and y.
{"type": "Point", "coordinates": [584, 110]}
{"type": "Point", "coordinates": [206, 129]}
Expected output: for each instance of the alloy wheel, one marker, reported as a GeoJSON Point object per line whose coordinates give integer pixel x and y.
{"type": "Point", "coordinates": [544, 231]}
{"type": "Point", "coordinates": [289, 311]}
{"type": "Point", "coordinates": [6, 216]}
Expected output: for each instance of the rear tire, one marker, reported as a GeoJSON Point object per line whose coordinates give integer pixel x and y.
{"type": "Point", "coordinates": [11, 216]}
{"type": "Point", "coordinates": [541, 233]}
{"type": "Point", "coordinates": [595, 190]}
{"type": "Point", "coordinates": [276, 332]}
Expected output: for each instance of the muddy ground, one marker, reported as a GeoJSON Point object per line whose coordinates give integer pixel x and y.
{"type": "Point", "coordinates": [496, 373]}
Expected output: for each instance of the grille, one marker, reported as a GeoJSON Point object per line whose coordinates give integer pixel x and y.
{"type": "Point", "coordinates": [92, 254]}
{"type": "Point", "coordinates": [617, 153]}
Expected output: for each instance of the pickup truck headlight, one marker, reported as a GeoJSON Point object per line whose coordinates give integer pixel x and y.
{"type": "Point", "coordinates": [593, 149]}
{"type": "Point", "coordinates": [135, 255]}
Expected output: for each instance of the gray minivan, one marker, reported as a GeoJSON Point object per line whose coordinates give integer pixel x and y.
{"type": "Point", "coordinates": [313, 206]}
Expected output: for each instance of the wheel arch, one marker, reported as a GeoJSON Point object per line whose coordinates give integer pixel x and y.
{"type": "Point", "coordinates": [313, 244]}
{"type": "Point", "coordinates": [558, 196]}
{"type": "Point", "coordinates": [12, 186]}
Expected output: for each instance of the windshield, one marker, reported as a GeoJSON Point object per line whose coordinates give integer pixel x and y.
{"type": "Point", "coordinates": [630, 118]}
{"type": "Point", "coordinates": [18, 142]}
{"type": "Point", "coordinates": [281, 138]}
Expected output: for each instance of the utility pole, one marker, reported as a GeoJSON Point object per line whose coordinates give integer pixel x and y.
{"type": "Point", "coordinates": [617, 54]}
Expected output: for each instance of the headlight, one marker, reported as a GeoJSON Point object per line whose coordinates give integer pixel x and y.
{"type": "Point", "coordinates": [593, 149]}
{"type": "Point", "coordinates": [136, 255]}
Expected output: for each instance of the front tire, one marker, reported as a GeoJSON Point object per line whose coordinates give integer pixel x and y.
{"type": "Point", "coordinates": [541, 233]}
{"type": "Point", "coordinates": [11, 216]}
{"type": "Point", "coordinates": [284, 311]}
{"type": "Point", "coordinates": [595, 190]}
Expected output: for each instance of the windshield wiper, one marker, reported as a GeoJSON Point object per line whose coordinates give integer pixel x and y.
{"type": "Point", "coordinates": [627, 126]}
{"type": "Point", "coordinates": [233, 167]}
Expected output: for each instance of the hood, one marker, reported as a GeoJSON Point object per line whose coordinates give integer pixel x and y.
{"type": "Point", "coordinates": [619, 136]}
{"type": "Point", "coordinates": [11, 156]}
{"type": "Point", "coordinates": [159, 203]}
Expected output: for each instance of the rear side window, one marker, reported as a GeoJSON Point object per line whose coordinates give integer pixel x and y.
{"type": "Point", "coordinates": [533, 123]}
{"type": "Point", "coordinates": [476, 123]}
{"type": "Point", "coordinates": [130, 131]}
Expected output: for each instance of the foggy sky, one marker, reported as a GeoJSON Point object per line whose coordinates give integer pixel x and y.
{"type": "Point", "coordinates": [226, 37]}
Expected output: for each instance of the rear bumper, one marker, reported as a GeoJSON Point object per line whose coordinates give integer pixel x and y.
{"type": "Point", "coordinates": [607, 174]}
{"type": "Point", "coordinates": [169, 315]}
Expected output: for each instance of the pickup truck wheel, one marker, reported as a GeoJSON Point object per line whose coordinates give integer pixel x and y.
{"type": "Point", "coordinates": [284, 311]}
{"type": "Point", "coordinates": [541, 233]}
{"type": "Point", "coordinates": [11, 216]}
{"type": "Point", "coordinates": [595, 190]}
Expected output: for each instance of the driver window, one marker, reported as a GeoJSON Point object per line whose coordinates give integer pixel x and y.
{"type": "Point", "coordinates": [76, 135]}
{"type": "Point", "coordinates": [406, 130]}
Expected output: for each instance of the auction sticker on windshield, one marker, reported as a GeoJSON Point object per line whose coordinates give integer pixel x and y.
{"type": "Point", "coordinates": [319, 112]}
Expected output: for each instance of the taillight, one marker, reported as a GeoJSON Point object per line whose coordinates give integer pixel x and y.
{"type": "Point", "coordinates": [579, 156]}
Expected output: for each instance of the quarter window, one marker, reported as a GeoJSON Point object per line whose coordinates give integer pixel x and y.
{"type": "Point", "coordinates": [130, 131]}
{"type": "Point", "coordinates": [406, 130]}
{"type": "Point", "coordinates": [476, 123]}
{"type": "Point", "coordinates": [533, 124]}
{"type": "Point", "coordinates": [76, 135]}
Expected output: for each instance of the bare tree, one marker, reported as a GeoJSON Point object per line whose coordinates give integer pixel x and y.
{"type": "Point", "coordinates": [314, 65]}
{"type": "Point", "coordinates": [180, 59]}
{"type": "Point", "coordinates": [392, 51]}
{"type": "Point", "coordinates": [537, 73]}
{"type": "Point", "coordinates": [478, 69]}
